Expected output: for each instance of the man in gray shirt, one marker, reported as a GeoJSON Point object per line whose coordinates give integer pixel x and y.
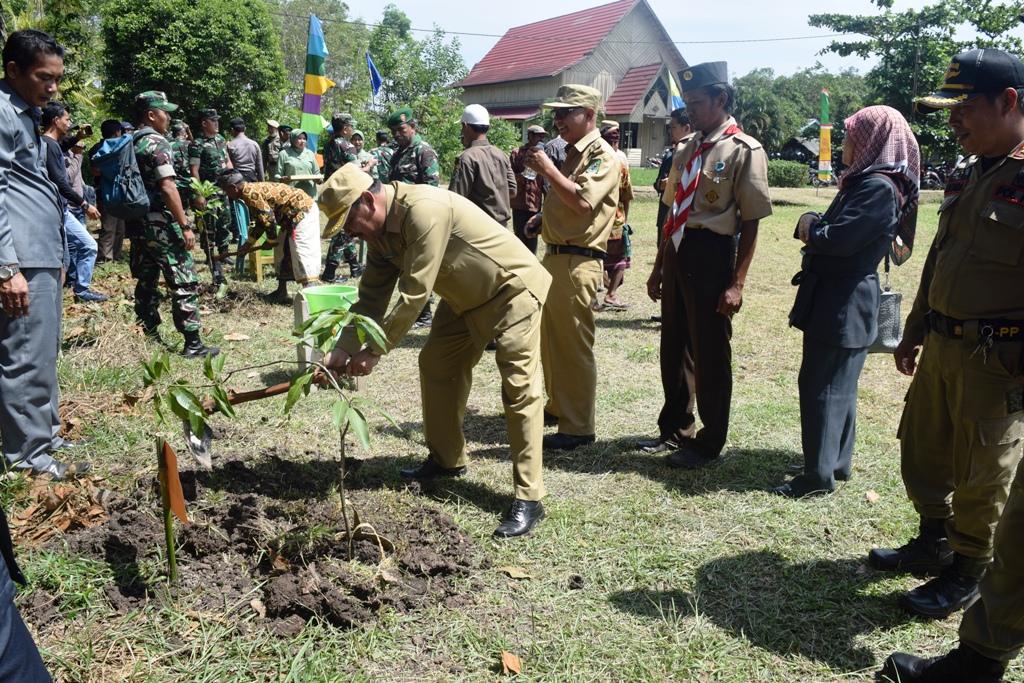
{"type": "Point", "coordinates": [245, 153]}
{"type": "Point", "coordinates": [31, 255]}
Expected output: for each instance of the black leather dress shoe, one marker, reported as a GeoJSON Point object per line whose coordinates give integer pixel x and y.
{"type": "Point", "coordinates": [688, 458]}
{"type": "Point", "coordinates": [549, 419]}
{"type": "Point", "coordinates": [431, 470]}
{"type": "Point", "coordinates": [655, 446]}
{"type": "Point", "coordinates": [520, 518]}
{"type": "Point", "coordinates": [567, 442]}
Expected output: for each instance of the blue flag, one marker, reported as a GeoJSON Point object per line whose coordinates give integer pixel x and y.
{"type": "Point", "coordinates": [375, 79]}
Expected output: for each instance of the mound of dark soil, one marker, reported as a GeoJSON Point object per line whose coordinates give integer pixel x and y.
{"type": "Point", "coordinates": [264, 540]}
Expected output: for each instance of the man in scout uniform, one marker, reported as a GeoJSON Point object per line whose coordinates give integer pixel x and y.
{"type": "Point", "coordinates": [340, 151]}
{"type": "Point", "coordinates": [161, 241]}
{"type": "Point", "coordinates": [701, 268]}
{"type": "Point", "coordinates": [482, 172]}
{"type": "Point", "coordinates": [414, 162]}
{"type": "Point", "coordinates": [382, 153]}
{"type": "Point", "coordinates": [271, 148]}
{"type": "Point", "coordinates": [963, 419]}
{"type": "Point", "coordinates": [575, 224]}
{"type": "Point", "coordinates": [207, 156]}
{"type": "Point", "coordinates": [423, 239]}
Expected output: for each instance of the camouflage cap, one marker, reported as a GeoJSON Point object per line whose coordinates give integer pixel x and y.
{"type": "Point", "coordinates": [208, 114]}
{"type": "Point", "coordinates": [339, 193]}
{"type": "Point", "coordinates": [574, 95]}
{"type": "Point", "coordinates": [400, 116]}
{"type": "Point", "coordinates": [339, 120]}
{"type": "Point", "coordinates": [708, 73]}
{"type": "Point", "coordinates": [154, 99]}
{"type": "Point", "coordinates": [177, 125]}
{"type": "Point", "coordinates": [971, 74]}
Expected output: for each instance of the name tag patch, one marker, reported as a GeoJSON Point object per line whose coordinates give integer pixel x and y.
{"type": "Point", "coordinates": [1009, 193]}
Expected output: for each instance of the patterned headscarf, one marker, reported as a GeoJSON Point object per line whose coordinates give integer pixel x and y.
{"type": "Point", "coordinates": [883, 143]}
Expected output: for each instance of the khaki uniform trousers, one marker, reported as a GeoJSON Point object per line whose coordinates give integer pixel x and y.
{"type": "Point", "coordinates": [567, 342]}
{"type": "Point", "coordinates": [960, 435]}
{"type": "Point", "coordinates": [446, 377]}
{"type": "Point", "coordinates": [994, 626]}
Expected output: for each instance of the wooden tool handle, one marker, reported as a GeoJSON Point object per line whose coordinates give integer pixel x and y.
{"type": "Point", "coordinates": [245, 396]}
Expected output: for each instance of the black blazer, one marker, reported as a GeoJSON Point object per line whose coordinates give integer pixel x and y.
{"type": "Point", "coordinates": [837, 302]}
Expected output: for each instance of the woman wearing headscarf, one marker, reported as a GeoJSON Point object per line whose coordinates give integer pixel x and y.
{"type": "Point", "coordinates": [296, 160]}
{"type": "Point", "coordinates": [837, 303]}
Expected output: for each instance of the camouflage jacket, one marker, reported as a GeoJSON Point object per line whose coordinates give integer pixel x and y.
{"type": "Point", "coordinates": [210, 155]}
{"type": "Point", "coordinates": [415, 164]}
{"type": "Point", "coordinates": [156, 162]}
{"type": "Point", "coordinates": [271, 151]}
{"type": "Point", "coordinates": [383, 168]}
{"type": "Point", "coordinates": [338, 152]}
{"type": "Point", "coordinates": [179, 151]}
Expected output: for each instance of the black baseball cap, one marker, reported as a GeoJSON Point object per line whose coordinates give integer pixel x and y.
{"type": "Point", "coordinates": [971, 74]}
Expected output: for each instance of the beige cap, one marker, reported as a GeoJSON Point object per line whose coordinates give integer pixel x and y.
{"type": "Point", "coordinates": [574, 95]}
{"type": "Point", "coordinates": [612, 125]}
{"type": "Point", "coordinates": [339, 193]}
{"type": "Point", "coordinates": [273, 124]}
{"type": "Point", "coordinates": [537, 130]}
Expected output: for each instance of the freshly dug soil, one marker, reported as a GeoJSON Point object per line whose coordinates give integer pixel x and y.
{"type": "Point", "coordinates": [267, 538]}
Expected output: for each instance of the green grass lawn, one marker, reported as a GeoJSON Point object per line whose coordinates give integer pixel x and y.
{"type": "Point", "coordinates": [686, 576]}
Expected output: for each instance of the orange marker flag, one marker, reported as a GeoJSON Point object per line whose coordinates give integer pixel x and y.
{"type": "Point", "coordinates": [169, 477]}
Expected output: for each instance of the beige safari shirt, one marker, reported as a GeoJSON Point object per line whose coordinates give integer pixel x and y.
{"type": "Point", "coordinates": [438, 240]}
{"type": "Point", "coordinates": [974, 266]}
{"type": "Point", "coordinates": [733, 184]}
{"type": "Point", "coordinates": [592, 165]}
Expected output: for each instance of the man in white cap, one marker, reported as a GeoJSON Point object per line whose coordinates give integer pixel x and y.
{"type": "Point", "coordinates": [423, 238]}
{"type": "Point", "coordinates": [482, 172]}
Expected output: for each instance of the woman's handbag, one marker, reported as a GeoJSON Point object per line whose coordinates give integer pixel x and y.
{"type": "Point", "coordinates": [890, 320]}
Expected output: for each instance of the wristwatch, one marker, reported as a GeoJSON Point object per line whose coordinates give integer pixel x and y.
{"type": "Point", "coordinates": [7, 272]}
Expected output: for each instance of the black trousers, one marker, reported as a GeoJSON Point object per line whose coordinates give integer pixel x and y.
{"type": "Point", "coordinates": [519, 219]}
{"type": "Point", "coordinates": [696, 341]}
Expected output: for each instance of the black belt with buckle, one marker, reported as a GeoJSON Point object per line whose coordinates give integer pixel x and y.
{"type": "Point", "coordinates": [576, 251]}
{"type": "Point", "coordinates": [996, 330]}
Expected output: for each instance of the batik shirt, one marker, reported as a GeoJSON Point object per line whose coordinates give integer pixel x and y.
{"type": "Point", "coordinates": [275, 208]}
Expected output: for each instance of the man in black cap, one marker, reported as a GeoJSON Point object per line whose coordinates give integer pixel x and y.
{"type": "Point", "coordinates": [963, 419]}
{"type": "Point", "coordinates": [245, 154]}
{"type": "Point", "coordinates": [701, 267]}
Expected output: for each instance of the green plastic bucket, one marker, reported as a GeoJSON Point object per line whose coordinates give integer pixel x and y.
{"type": "Point", "coordinates": [322, 297]}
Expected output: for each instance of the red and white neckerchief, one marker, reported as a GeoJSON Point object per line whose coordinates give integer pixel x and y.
{"type": "Point", "coordinates": [688, 186]}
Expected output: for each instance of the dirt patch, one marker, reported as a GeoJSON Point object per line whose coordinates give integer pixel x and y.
{"type": "Point", "coordinates": [267, 543]}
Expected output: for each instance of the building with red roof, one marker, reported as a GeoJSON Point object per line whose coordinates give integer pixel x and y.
{"type": "Point", "coordinates": [621, 49]}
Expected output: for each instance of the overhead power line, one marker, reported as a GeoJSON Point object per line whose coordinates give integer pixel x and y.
{"type": "Point", "coordinates": [568, 39]}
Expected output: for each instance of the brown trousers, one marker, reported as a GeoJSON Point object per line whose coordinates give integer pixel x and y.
{"type": "Point", "coordinates": [696, 349]}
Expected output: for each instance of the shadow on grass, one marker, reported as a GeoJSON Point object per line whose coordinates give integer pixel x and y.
{"type": "Point", "coordinates": [817, 609]}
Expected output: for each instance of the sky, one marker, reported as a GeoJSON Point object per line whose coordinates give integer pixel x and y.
{"type": "Point", "coordinates": [687, 22]}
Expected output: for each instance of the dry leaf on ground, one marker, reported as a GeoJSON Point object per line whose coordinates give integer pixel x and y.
{"type": "Point", "coordinates": [872, 496]}
{"type": "Point", "coordinates": [236, 336]}
{"type": "Point", "coordinates": [510, 664]}
{"type": "Point", "coordinates": [515, 572]}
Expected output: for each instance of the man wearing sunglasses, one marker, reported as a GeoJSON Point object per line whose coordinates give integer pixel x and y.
{"type": "Point", "coordinates": [574, 224]}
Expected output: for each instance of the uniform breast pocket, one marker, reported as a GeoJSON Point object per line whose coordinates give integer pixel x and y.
{"type": "Point", "coordinates": [1000, 237]}
{"type": "Point", "coordinates": [716, 190]}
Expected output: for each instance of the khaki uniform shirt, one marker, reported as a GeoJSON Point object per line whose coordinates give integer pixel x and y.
{"type": "Point", "coordinates": [437, 240]}
{"type": "Point", "coordinates": [484, 175]}
{"type": "Point", "coordinates": [668, 195]}
{"type": "Point", "coordinates": [973, 269]}
{"type": "Point", "coordinates": [733, 183]}
{"type": "Point", "coordinates": [592, 165]}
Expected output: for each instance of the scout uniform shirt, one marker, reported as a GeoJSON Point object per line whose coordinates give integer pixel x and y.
{"type": "Point", "coordinates": [592, 165]}
{"type": "Point", "coordinates": [973, 268]}
{"type": "Point", "coordinates": [484, 176]}
{"type": "Point", "coordinates": [733, 183]}
{"type": "Point", "coordinates": [437, 240]}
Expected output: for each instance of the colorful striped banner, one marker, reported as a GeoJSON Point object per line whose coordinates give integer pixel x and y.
{"type": "Point", "coordinates": [316, 84]}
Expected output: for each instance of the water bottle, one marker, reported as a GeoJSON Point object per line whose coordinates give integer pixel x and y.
{"type": "Point", "coordinates": [528, 172]}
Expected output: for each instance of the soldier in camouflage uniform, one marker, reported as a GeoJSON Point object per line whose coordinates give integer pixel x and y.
{"type": "Point", "coordinates": [338, 152]}
{"type": "Point", "coordinates": [162, 239]}
{"type": "Point", "coordinates": [178, 137]}
{"type": "Point", "coordinates": [382, 153]}
{"type": "Point", "coordinates": [271, 148]}
{"type": "Point", "coordinates": [207, 155]}
{"type": "Point", "coordinates": [415, 163]}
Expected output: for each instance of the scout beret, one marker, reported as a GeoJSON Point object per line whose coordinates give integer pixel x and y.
{"type": "Point", "coordinates": [708, 73]}
{"type": "Point", "coordinates": [154, 99]}
{"type": "Point", "coordinates": [208, 114]}
{"type": "Point", "coordinates": [339, 193]}
{"type": "Point", "coordinates": [285, 128]}
{"type": "Point", "coordinates": [573, 95]}
{"type": "Point", "coordinates": [400, 116]}
{"type": "Point", "coordinates": [972, 73]}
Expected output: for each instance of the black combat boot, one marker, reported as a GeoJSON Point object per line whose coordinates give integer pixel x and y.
{"type": "Point", "coordinates": [955, 588]}
{"type": "Point", "coordinates": [194, 347]}
{"type": "Point", "coordinates": [926, 555]}
{"type": "Point", "coordinates": [355, 268]}
{"type": "Point", "coordinates": [962, 665]}
{"type": "Point", "coordinates": [330, 272]}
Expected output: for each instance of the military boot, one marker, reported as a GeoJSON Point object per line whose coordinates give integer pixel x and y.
{"type": "Point", "coordinates": [355, 268]}
{"type": "Point", "coordinates": [194, 347]}
{"type": "Point", "coordinates": [926, 555]}
{"type": "Point", "coordinates": [955, 588]}
{"type": "Point", "coordinates": [962, 665]}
